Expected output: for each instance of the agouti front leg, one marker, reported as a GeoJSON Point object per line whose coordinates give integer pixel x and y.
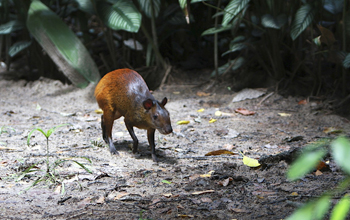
{"type": "Point", "coordinates": [150, 136]}
{"type": "Point", "coordinates": [107, 125]}
{"type": "Point", "coordinates": [133, 136]}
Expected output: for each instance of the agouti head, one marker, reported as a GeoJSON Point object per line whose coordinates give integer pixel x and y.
{"type": "Point", "coordinates": [158, 116]}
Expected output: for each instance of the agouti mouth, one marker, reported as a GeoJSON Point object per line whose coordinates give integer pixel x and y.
{"type": "Point", "coordinates": [166, 130]}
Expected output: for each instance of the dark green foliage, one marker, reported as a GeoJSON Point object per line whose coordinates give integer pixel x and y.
{"type": "Point", "coordinates": [307, 161]}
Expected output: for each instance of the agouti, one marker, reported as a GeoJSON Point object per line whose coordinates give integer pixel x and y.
{"type": "Point", "coordinates": [123, 92]}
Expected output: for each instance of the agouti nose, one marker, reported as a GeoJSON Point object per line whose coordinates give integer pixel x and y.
{"type": "Point", "coordinates": [167, 130]}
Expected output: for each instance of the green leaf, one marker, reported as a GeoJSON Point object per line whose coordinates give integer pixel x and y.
{"type": "Point", "coordinates": [232, 9]}
{"type": "Point", "coordinates": [306, 162]}
{"type": "Point", "coordinates": [122, 15]}
{"type": "Point", "coordinates": [182, 3]}
{"type": "Point", "coordinates": [166, 181]}
{"type": "Point", "coordinates": [217, 30]}
{"type": "Point", "coordinates": [61, 44]}
{"type": "Point", "coordinates": [10, 26]}
{"type": "Point", "coordinates": [50, 131]}
{"type": "Point", "coordinates": [234, 64]}
{"type": "Point", "coordinates": [18, 47]}
{"type": "Point", "coordinates": [341, 153]}
{"type": "Point", "coordinates": [341, 209]}
{"type": "Point", "coordinates": [195, 1]}
{"type": "Point", "coordinates": [31, 132]}
{"type": "Point", "coordinates": [146, 7]}
{"type": "Point", "coordinates": [302, 20]}
{"type": "Point", "coordinates": [346, 62]}
{"type": "Point", "coordinates": [269, 21]}
{"type": "Point", "coordinates": [235, 47]}
{"type": "Point", "coordinates": [313, 210]}
{"type": "Point", "coordinates": [334, 6]}
{"type": "Point", "coordinates": [86, 6]}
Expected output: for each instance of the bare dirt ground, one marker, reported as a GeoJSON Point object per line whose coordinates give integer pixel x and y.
{"type": "Point", "coordinates": [127, 187]}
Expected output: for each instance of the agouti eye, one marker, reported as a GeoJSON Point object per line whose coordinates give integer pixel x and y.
{"type": "Point", "coordinates": [155, 117]}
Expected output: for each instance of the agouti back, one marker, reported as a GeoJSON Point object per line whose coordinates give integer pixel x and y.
{"type": "Point", "coordinates": [123, 92]}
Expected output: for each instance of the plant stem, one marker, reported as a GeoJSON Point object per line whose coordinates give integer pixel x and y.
{"type": "Point", "coordinates": [47, 155]}
{"type": "Point", "coordinates": [216, 62]}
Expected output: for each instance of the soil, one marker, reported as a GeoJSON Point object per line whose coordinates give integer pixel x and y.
{"type": "Point", "coordinates": [135, 187]}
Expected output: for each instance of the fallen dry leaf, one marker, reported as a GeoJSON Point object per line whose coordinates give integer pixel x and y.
{"type": "Point", "coordinates": [201, 94]}
{"type": "Point", "coordinates": [318, 173]}
{"type": "Point", "coordinates": [294, 194]}
{"type": "Point", "coordinates": [99, 111]}
{"type": "Point", "coordinates": [250, 162]}
{"type": "Point", "coordinates": [244, 111]}
{"type": "Point", "coordinates": [203, 192]}
{"type": "Point", "coordinates": [282, 114]}
{"type": "Point", "coordinates": [219, 152]}
{"type": "Point", "coordinates": [212, 120]}
{"type": "Point", "coordinates": [218, 113]}
{"type": "Point", "coordinates": [225, 182]}
{"type": "Point", "coordinates": [200, 110]}
{"type": "Point", "coordinates": [185, 216]}
{"type": "Point", "coordinates": [332, 130]}
{"type": "Point", "coordinates": [207, 174]}
{"type": "Point", "coordinates": [167, 195]}
{"type": "Point", "coordinates": [302, 102]}
{"type": "Point", "coordinates": [322, 166]}
{"type": "Point", "coordinates": [182, 122]}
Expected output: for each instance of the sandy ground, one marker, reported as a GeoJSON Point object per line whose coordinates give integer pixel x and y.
{"type": "Point", "coordinates": [129, 187]}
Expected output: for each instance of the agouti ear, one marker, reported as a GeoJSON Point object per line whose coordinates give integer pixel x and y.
{"type": "Point", "coordinates": [147, 104]}
{"type": "Point", "coordinates": [164, 101]}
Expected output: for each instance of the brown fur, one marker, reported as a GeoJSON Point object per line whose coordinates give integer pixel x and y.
{"type": "Point", "coordinates": [123, 92]}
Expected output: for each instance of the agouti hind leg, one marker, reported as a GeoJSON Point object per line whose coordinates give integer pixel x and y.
{"type": "Point", "coordinates": [107, 125]}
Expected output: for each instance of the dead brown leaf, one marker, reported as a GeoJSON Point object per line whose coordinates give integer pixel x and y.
{"type": "Point", "coordinates": [219, 152]}
{"type": "Point", "coordinates": [202, 94]}
{"type": "Point", "coordinates": [244, 111]}
{"type": "Point", "coordinates": [225, 182]}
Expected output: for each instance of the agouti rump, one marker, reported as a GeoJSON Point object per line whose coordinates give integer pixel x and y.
{"type": "Point", "coordinates": [123, 92]}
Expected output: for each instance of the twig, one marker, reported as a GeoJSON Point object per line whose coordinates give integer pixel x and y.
{"type": "Point", "coordinates": [165, 76]}
{"type": "Point", "coordinates": [266, 97]}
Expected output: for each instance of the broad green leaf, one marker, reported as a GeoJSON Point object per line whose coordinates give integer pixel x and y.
{"type": "Point", "coordinates": [146, 7]}
{"type": "Point", "coordinates": [302, 20]}
{"type": "Point", "coordinates": [18, 47]}
{"type": "Point", "coordinates": [306, 162]}
{"type": "Point", "coordinates": [334, 6]}
{"type": "Point", "coordinates": [232, 9]}
{"type": "Point", "coordinates": [341, 209]}
{"type": "Point", "coordinates": [341, 153]}
{"type": "Point", "coordinates": [234, 48]}
{"type": "Point", "coordinates": [217, 30]}
{"type": "Point", "coordinates": [122, 15]}
{"type": "Point", "coordinates": [10, 27]}
{"type": "Point", "coordinates": [234, 64]}
{"type": "Point", "coordinates": [61, 44]}
{"type": "Point", "coordinates": [269, 21]}
{"type": "Point", "coordinates": [313, 210]}
{"type": "Point", "coordinates": [195, 1]}
{"type": "Point", "coordinates": [346, 62]}
{"type": "Point", "coordinates": [86, 6]}
{"type": "Point", "coordinates": [182, 3]}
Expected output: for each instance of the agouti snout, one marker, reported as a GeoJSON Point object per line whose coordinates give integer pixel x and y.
{"type": "Point", "coordinates": [123, 92]}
